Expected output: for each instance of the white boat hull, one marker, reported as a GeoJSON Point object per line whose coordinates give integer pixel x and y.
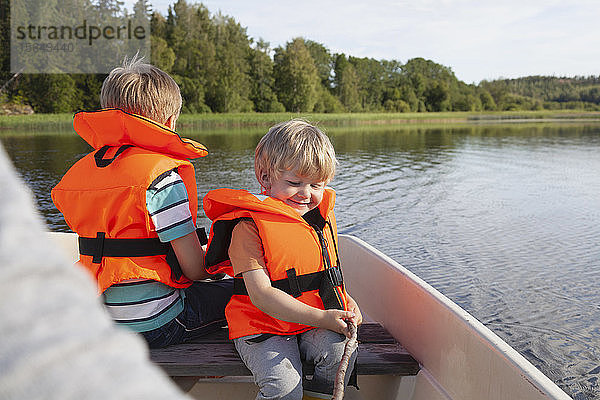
{"type": "Point", "coordinates": [460, 358]}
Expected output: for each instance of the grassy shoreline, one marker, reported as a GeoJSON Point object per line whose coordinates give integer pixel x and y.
{"type": "Point", "coordinates": [63, 122]}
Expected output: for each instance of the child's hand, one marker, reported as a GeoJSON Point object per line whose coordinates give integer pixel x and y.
{"type": "Point", "coordinates": [353, 307]}
{"type": "Point", "coordinates": [335, 320]}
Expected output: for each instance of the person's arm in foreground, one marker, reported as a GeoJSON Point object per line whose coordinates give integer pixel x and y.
{"type": "Point", "coordinates": [56, 340]}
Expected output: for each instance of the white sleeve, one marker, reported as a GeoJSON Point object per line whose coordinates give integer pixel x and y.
{"type": "Point", "coordinates": [56, 340]}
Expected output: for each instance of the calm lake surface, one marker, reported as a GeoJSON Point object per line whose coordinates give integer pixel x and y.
{"type": "Point", "coordinates": [504, 219]}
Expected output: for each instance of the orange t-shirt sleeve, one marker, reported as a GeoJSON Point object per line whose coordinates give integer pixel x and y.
{"type": "Point", "coordinates": [246, 250]}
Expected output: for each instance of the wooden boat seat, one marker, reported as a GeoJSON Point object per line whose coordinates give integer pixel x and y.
{"type": "Point", "coordinates": [214, 355]}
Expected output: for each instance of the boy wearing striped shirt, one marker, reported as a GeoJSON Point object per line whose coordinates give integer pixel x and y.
{"type": "Point", "coordinates": [133, 202]}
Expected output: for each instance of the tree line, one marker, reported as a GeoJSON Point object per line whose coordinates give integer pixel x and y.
{"type": "Point", "coordinates": [220, 69]}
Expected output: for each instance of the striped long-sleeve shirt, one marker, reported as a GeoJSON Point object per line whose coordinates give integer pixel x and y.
{"type": "Point", "coordinates": [143, 305]}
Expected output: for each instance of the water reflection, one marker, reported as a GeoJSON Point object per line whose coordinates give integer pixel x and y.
{"type": "Point", "coordinates": [504, 220]}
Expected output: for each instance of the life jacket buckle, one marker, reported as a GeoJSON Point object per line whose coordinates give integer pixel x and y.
{"type": "Point", "coordinates": [98, 254]}
{"type": "Point", "coordinates": [293, 281]}
{"type": "Point", "coordinates": [335, 276]}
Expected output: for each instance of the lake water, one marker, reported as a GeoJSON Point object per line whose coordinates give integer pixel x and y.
{"type": "Point", "coordinates": [504, 219]}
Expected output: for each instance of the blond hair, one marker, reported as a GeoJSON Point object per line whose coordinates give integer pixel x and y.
{"type": "Point", "coordinates": [141, 89]}
{"type": "Point", "coordinates": [297, 146]}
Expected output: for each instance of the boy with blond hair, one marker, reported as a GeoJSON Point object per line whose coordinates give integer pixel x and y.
{"type": "Point", "coordinates": [133, 202]}
{"type": "Point", "coordinates": [289, 302]}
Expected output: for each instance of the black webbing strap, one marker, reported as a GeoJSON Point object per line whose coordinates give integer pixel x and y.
{"type": "Point", "coordinates": [202, 237]}
{"type": "Point", "coordinates": [100, 246]}
{"type": "Point", "coordinates": [294, 283]}
{"type": "Point", "coordinates": [295, 286]}
{"type": "Point", "coordinates": [102, 162]}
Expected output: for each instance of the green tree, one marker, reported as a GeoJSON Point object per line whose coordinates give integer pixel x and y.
{"type": "Point", "coordinates": [192, 93]}
{"type": "Point", "coordinates": [347, 83]}
{"type": "Point", "coordinates": [189, 34]}
{"type": "Point", "coordinates": [401, 99]}
{"type": "Point", "coordinates": [262, 80]}
{"type": "Point", "coordinates": [407, 94]}
{"type": "Point", "coordinates": [50, 93]}
{"type": "Point", "coordinates": [497, 89]}
{"type": "Point", "coordinates": [466, 102]}
{"type": "Point", "coordinates": [158, 25]}
{"type": "Point", "coordinates": [371, 87]}
{"type": "Point", "coordinates": [432, 83]}
{"type": "Point", "coordinates": [436, 96]}
{"type": "Point", "coordinates": [110, 8]}
{"type": "Point", "coordinates": [396, 106]}
{"type": "Point", "coordinates": [397, 99]}
{"type": "Point", "coordinates": [5, 74]}
{"type": "Point", "coordinates": [88, 88]}
{"type": "Point", "coordinates": [487, 101]}
{"type": "Point", "coordinates": [5, 35]}
{"type": "Point", "coordinates": [327, 102]}
{"type": "Point", "coordinates": [323, 61]}
{"type": "Point", "coordinates": [296, 77]}
{"type": "Point", "coordinates": [162, 55]}
{"type": "Point", "coordinates": [142, 9]}
{"type": "Point", "coordinates": [397, 85]}
{"type": "Point", "coordinates": [230, 91]}
{"type": "Point", "coordinates": [429, 69]}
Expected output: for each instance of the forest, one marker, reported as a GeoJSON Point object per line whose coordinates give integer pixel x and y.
{"type": "Point", "coordinates": [220, 69]}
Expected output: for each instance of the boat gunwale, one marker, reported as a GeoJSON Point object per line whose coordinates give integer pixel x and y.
{"type": "Point", "coordinates": [528, 371]}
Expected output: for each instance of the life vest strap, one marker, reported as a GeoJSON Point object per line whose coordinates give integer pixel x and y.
{"type": "Point", "coordinates": [292, 279]}
{"type": "Point", "coordinates": [293, 285]}
{"type": "Point", "coordinates": [100, 246]}
{"type": "Point", "coordinates": [102, 162]}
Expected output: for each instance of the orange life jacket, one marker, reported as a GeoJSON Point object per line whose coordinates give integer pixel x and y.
{"type": "Point", "coordinates": [103, 196]}
{"type": "Point", "coordinates": [301, 260]}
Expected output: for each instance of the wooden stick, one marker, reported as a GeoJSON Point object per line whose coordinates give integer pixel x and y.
{"type": "Point", "coordinates": [338, 386]}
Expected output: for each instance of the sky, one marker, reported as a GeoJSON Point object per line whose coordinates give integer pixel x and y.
{"type": "Point", "coordinates": [477, 39]}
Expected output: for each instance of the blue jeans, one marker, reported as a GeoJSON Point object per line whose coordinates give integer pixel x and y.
{"type": "Point", "coordinates": [203, 312]}
{"type": "Point", "coordinates": [276, 362]}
